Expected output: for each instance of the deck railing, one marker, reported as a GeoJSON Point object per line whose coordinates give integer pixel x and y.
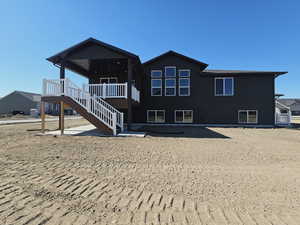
{"type": "Point", "coordinates": [119, 90]}
{"type": "Point", "coordinates": [102, 110]}
{"type": "Point", "coordinates": [135, 94]}
{"type": "Point", "coordinates": [282, 118]}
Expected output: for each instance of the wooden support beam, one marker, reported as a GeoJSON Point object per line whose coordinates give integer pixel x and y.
{"type": "Point", "coordinates": [59, 117]}
{"type": "Point", "coordinates": [129, 93]}
{"type": "Point", "coordinates": [62, 118]}
{"type": "Point", "coordinates": [42, 111]}
{"type": "Point", "coordinates": [62, 72]}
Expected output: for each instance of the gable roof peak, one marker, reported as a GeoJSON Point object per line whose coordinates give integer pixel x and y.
{"type": "Point", "coordinates": [172, 52]}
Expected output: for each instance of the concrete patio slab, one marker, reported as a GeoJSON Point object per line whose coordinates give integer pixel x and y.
{"type": "Point", "coordinates": [91, 130]}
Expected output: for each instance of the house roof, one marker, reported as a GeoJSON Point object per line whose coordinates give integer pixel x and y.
{"type": "Point", "coordinates": [293, 103]}
{"type": "Point", "coordinates": [57, 57]}
{"type": "Point", "coordinates": [31, 96]}
{"type": "Point", "coordinates": [242, 72]}
{"type": "Point", "coordinates": [202, 64]}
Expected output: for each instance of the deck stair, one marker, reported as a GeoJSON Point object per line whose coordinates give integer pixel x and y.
{"type": "Point", "coordinates": [93, 108]}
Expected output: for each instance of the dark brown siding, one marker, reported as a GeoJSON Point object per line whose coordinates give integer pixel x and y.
{"type": "Point", "coordinates": [252, 92]}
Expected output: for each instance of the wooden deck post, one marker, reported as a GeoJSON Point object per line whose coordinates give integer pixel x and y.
{"type": "Point", "coordinates": [129, 95]}
{"type": "Point", "coordinates": [62, 72]}
{"type": "Point", "coordinates": [62, 119]}
{"type": "Point", "coordinates": [61, 76]}
{"type": "Point", "coordinates": [42, 111]}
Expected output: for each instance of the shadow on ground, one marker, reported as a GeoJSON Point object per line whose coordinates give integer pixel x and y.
{"type": "Point", "coordinates": [92, 132]}
{"type": "Point", "coordinates": [184, 132]}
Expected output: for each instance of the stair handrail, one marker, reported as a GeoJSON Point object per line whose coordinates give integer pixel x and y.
{"type": "Point", "coordinates": [119, 115]}
{"type": "Point", "coordinates": [67, 88]}
{"type": "Point", "coordinates": [101, 109]}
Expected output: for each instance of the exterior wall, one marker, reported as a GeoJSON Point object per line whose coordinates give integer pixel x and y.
{"type": "Point", "coordinates": [251, 92]}
{"type": "Point", "coordinates": [15, 101]}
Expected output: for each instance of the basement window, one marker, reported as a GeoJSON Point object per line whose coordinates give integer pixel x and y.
{"type": "Point", "coordinates": [183, 116]}
{"type": "Point", "coordinates": [248, 116]}
{"type": "Point", "coordinates": [155, 116]}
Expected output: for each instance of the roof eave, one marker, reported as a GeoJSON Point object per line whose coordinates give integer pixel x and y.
{"type": "Point", "coordinates": [63, 53]}
{"type": "Point", "coordinates": [204, 65]}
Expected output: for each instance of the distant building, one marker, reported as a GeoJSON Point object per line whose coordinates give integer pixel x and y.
{"type": "Point", "coordinates": [293, 104]}
{"type": "Point", "coordinates": [20, 101]}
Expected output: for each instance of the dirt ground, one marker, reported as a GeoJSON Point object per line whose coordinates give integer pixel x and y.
{"type": "Point", "coordinates": [207, 176]}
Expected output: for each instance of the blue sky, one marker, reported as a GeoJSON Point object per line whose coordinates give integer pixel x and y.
{"type": "Point", "coordinates": [232, 34]}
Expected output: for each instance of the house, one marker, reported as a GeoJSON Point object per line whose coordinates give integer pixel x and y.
{"type": "Point", "coordinates": [23, 102]}
{"type": "Point", "coordinates": [293, 104]}
{"type": "Point", "coordinates": [19, 101]}
{"type": "Point", "coordinates": [169, 89]}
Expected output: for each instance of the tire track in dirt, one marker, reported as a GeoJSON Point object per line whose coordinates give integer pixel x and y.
{"type": "Point", "coordinates": [23, 182]}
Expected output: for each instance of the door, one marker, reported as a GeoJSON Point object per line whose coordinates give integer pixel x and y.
{"type": "Point", "coordinates": [110, 88]}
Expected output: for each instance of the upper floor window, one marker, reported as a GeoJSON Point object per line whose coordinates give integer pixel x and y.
{"type": "Point", "coordinates": [156, 83]}
{"type": "Point", "coordinates": [184, 73]}
{"type": "Point", "coordinates": [156, 73]}
{"type": "Point", "coordinates": [184, 82]}
{"type": "Point", "coordinates": [170, 71]}
{"type": "Point", "coordinates": [184, 86]}
{"type": "Point", "coordinates": [156, 87]}
{"type": "Point", "coordinates": [224, 86]}
{"type": "Point", "coordinates": [170, 87]}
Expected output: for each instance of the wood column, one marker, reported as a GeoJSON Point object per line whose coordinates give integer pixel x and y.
{"type": "Point", "coordinates": [42, 111]}
{"type": "Point", "coordinates": [62, 118]}
{"type": "Point", "coordinates": [62, 72]}
{"type": "Point", "coordinates": [129, 93]}
{"type": "Point", "coordinates": [61, 76]}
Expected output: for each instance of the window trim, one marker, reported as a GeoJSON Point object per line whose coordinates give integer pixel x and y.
{"type": "Point", "coordinates": [180, 86]}
{"type": "Point", "coordinates": [183, 110]}
{"type": "Point", "coordinates": [224, 78]}
{"type": "Point", "coordinates": [174, 87]}
{"type": "Point", "coordinates": [169, 67]}
{"type": "Point", "coordinates": [156, 71]}
{"type": "Point", "coordinates": [156, 87]}
{"type": "Point", "coordinates": [184, 70]}
{"type": "Point", "coordinates": [156, 110]}
{"type": "Point", "coordinates": [247, 110]}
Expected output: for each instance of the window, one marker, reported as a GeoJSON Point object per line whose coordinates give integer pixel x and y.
{"type": "Point", "coordinates": [224, 86]}
{"type": "Point", "coordinates": [170, 71]}
{"type": "Point", "coordinates": [184, 82]}
{"type": "Point", "coordinates": [183, 116]}
{"type": "Point", "coordinates": [155, 116]}
{"type": "Point", "coordinates": [184, 86]}
{"type": "Point", "coordinates": [108, 80]}
{"type": "Point", "coordinates": [156, 83]}
{"type": "Point", "coordinates": [156, 73]}
{"type": "Point", "coordinates": [170, 87]}
{"type": "Point", "coordinates": [156, 87]}
{"type": "Point", "coordinates": [248, 116]}
{"type": "Point", "coordinates": [184, 73]}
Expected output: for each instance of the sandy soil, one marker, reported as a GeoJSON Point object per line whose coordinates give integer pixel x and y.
{"type": "Point", "coordinates": [202, 176]}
